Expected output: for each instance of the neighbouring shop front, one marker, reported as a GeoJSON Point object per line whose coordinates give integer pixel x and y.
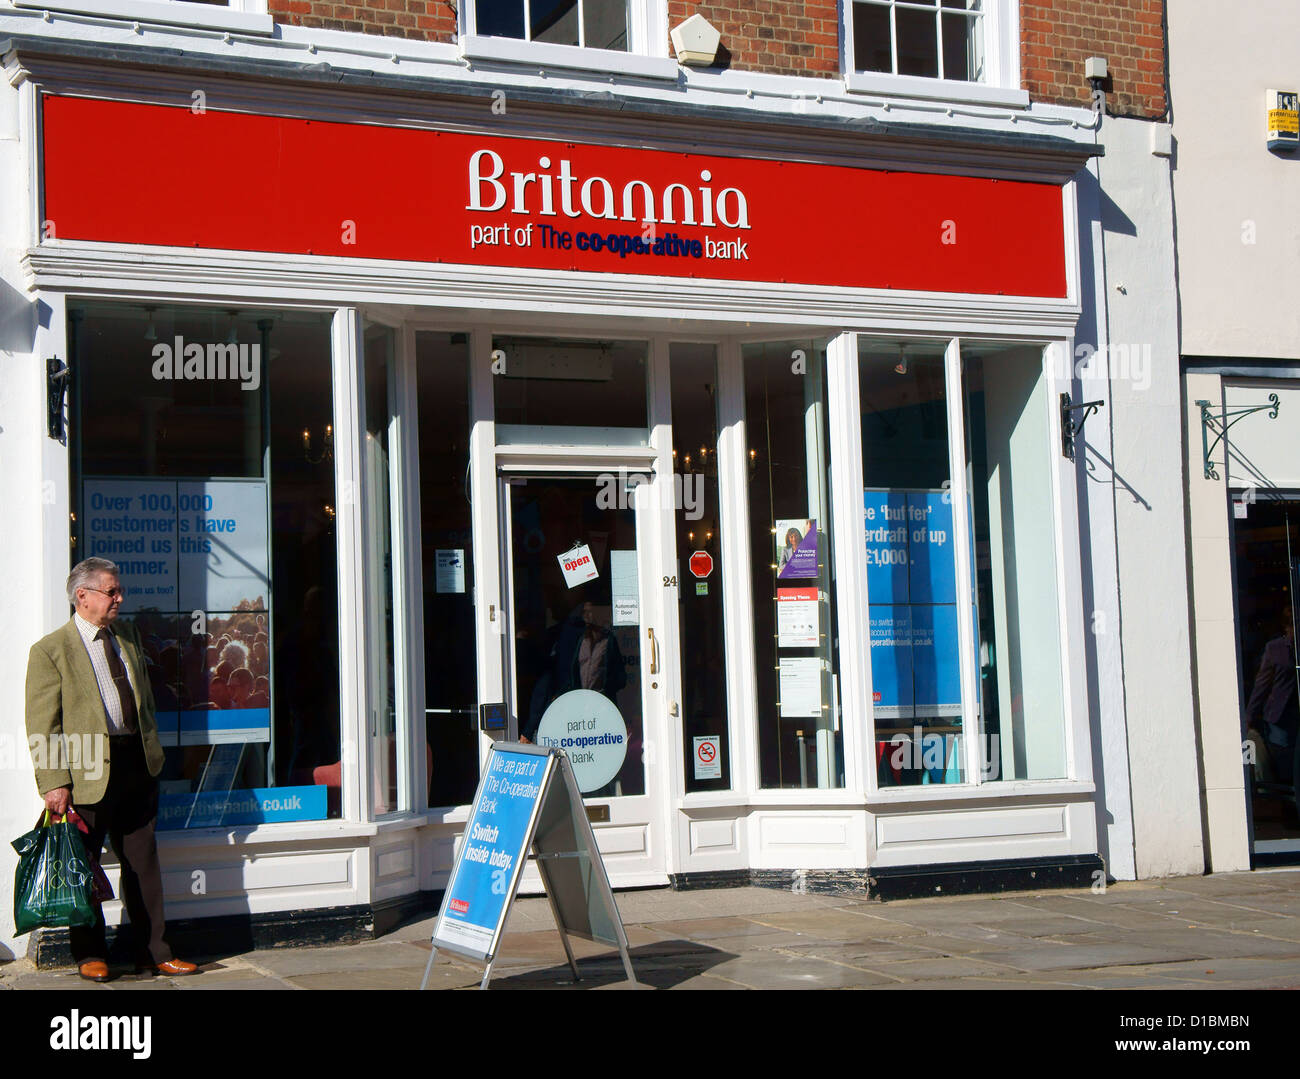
{"type": "Point", "coordinates": [1244, 481]}
{"type": "Point", "coordinates": [740, 477]}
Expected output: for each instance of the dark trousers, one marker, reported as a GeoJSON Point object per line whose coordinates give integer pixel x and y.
{"type": "Point", "coordinates": [126, 816]}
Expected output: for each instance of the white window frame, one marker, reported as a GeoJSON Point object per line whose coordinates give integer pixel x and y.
{"type": "Point", "coordinates": [646, 56]}
{"type": "Point", "coordinates": [1001, 85]}
{"type": "Point", "coordinates": [241, 16]}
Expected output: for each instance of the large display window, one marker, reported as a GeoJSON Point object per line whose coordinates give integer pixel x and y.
{"type": "Point", "coordinates": [800, 741]}
{"type": "Point", "coordinates": [202, 461]}
{"type": "Point", "coordinates": [929, 411]}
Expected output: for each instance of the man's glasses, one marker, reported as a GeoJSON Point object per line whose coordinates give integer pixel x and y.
{"type": "Point", "coordinates": [112, 593]}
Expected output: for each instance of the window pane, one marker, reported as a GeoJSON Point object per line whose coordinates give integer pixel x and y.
{"type": "Point", "coordinates": [694, 374]}
{"type": "Point", "coordinates": [1010, 461]}
{"type": "Point", "coordinates": [555, 391]}
{"type": "Point", "coordinates": [375, 452]}
{"type": "Point", "coordinates": [962, 57]}
{"type": "Point", "coordinates": [871, 38]}
{"type": "Point", "coordinates": [605, 24]}
{"type": "Point", "coordinates": [500, 18]}
{"type": "Point", "coordinates": [789, 510]}
{"type": "Point", "coordinates": [918, 42]}
{"type": "Point", "coordinates": [911, 569]}
{"type": "Point", "coordinates": [447, 558]}
{"type": "Point", "coordinates": [213, 428]}
{"type": "Point", "coordinates": [555, 21]}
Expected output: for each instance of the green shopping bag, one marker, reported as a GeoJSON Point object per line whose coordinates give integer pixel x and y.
{"type": "Point", "coordinates": [53, 883]}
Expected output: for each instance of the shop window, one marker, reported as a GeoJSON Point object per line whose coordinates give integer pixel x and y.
{"type": "Point", "coordinates": [202, 453]}
{"type": "Point", "coordinates": [705, 731]}
{"type": "Point", "coordinates": [917, 596]}
{"type": "Point", "coordinates": [1009, 460]}
{"type": "Point", "coordinates": [592, 24]}
{"type": "Point", "coordinates": [911, 568]}
{"type": "Point", "coordinates": [549, 391]}
{"type": "Point", "coordinates": [447, 560]}
{"type": "Point", "coordinates": [799, 737]}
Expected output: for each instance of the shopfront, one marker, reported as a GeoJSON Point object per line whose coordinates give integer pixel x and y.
{"type": "Point", "coordinates": [740, 475]}
{"type": "Point", "coordinates": [1244, 481]}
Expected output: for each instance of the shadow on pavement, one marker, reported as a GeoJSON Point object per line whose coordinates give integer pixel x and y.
{"type": "Point", "coordinates": [661, 965]}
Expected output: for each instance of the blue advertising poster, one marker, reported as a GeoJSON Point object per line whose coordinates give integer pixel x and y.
{"type": "Point", "coordinates": [912, 596]}
{"type": "Point", "coordinates": [891, 659]}
{"type": "Point", "coordinates": [932, 569]}
{"type": "Point", "coordinates": [493, 851]}
{"type": "Point", "coordinates": [252, 805]}
{"type": "Point", "coordinates": [936, 680]}
{"type": "Point", "coordinates": [194, 562]}
{"type": "Point", "coordinates": [887, 568]}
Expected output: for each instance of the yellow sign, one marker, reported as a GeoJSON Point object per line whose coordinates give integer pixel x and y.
{"type": "Point", "coordinates": [1283, 120]}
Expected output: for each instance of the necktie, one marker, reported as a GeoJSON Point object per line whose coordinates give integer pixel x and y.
{"type": "Point", "coordinates": [120, 681]}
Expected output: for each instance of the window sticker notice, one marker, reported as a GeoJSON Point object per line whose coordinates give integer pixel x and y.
{"type": "Point", "coordinates": [796, 618]}
{"type": "Point", "coordinates": [577, 565]}
{"type": "Point", "coordinates": [449, 570]}
{"type": "Point", "coordinates": [708, 757]}
{"type": "Point", "coordinates": [801, 687]}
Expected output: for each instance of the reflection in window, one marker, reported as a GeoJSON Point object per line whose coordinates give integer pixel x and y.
{"type": "Point", "coordinates": [387, 748]}
{"type": "Point", "coordinates": [800, 744]}
{"type": "Point", "coordinates": [447, 558]}
{"type": "Point", "coordinates": [705, 734]}
{"type": "Point", "coordinates": [1010, 460]}
{"type": "Point", "coordinates": [203, 464]}
{"type": "Point", "coordinates": [592, 24]}
{"type": "Point", "coordinates": [561, 392]}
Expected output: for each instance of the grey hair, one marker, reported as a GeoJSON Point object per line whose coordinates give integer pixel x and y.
{"type": "Point", "coordinates": [84, 572]}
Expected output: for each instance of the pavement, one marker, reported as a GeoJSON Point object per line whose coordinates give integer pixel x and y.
{"type": "Point", "coordinates": [1227, 931]}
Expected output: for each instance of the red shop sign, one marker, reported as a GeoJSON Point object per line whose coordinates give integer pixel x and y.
{"type": "Point", "coordinates": [122, 172]}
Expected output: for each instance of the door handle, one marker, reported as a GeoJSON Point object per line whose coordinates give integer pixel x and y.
{"type": "Point", "coordinates": [654, 651]}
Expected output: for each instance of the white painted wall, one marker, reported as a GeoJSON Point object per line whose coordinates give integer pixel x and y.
{"type": "Point", "coordinates": [1260, 451]}
{"type": "Point", "coordinates": [1218, 701]}
{"type": "Point", "coordinates": [1146, 430]}
{"type": "Point", "coordinates": [1236, 201]}
{"type": "Point", "coordinates": [22, 422]}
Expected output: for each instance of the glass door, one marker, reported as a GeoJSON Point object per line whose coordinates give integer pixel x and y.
{"type": "Point", "coordinates": [587, 650]}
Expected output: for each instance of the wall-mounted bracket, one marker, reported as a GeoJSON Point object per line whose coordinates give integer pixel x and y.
{"type": "Point", "coordinates": [1069, 429]}
{"type": "Point", "coordinates": [57, 377]}
{"type": "Point", "coordinates": [1222, 423]}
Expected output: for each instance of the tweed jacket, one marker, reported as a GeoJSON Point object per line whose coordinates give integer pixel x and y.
{"type": "Point", "coordinates": [63, 699]}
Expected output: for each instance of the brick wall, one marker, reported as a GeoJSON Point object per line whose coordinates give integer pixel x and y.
{"type": "Point", "coordinates": [1057, 36]}
{"type": "Point", "coordinates": [780, 37]}
{"type": "Point", "coordinates": [425, 20]}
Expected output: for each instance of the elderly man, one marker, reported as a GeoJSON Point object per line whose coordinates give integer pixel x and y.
{"type": "Point", "coordinates": [86, 682]}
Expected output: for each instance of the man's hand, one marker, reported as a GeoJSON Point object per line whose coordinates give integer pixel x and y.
{"type": "Point", "coordinates": [58, 800]}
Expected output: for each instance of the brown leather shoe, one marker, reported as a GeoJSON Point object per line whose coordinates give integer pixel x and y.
{"type": "Point", "coordinates": [176, 968]}
{"type": "Point", "coordinates": [94, 971]}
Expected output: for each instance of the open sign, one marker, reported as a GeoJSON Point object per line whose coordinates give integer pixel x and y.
{"type": "Point", "coordinates": [577, 565]}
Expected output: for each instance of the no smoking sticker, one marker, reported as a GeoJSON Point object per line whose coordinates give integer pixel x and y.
{"type": "Point", "coordinates": [708, 757]}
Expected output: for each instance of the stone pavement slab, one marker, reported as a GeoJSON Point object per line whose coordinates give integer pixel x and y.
{"type": "Point", "coordinates": [1236, 930]}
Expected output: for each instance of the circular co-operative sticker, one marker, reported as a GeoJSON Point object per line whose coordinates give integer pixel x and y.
{"type": "Point", "coordinates": [589, 728]}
